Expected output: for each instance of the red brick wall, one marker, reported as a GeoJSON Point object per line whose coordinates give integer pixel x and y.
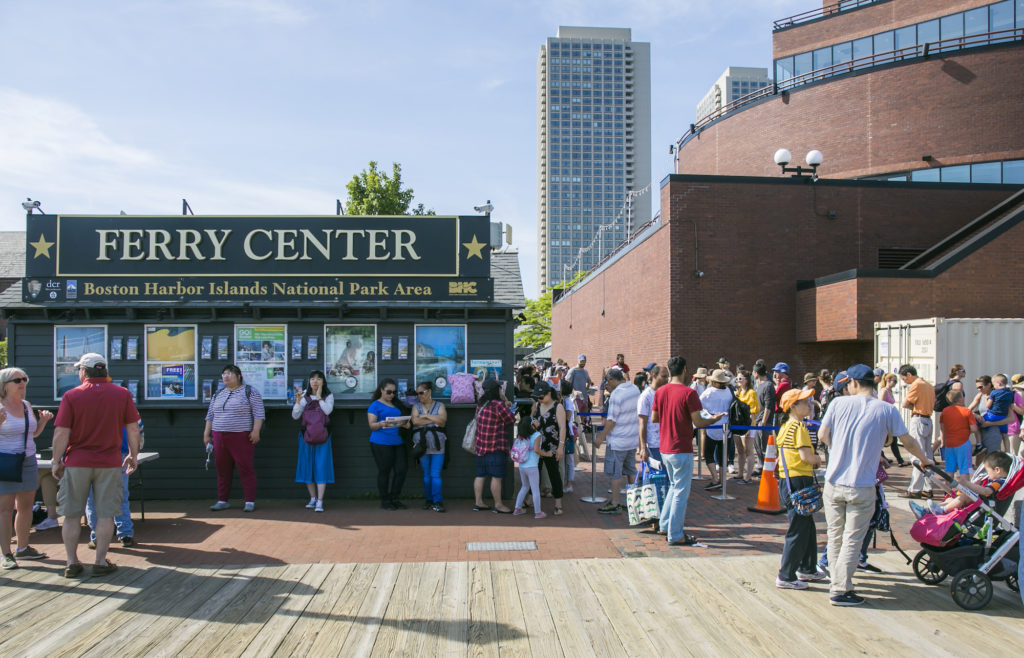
{"type": "Point", "coordinates": [634, 298]}
{"type": "Point", "coordinates": [862, 22]}
{"type": "Point", "coordinates": [755, 239]}
{"type": "Point", "coordinates": [957, 109]}
{"type": "Point", "coordinates": [988, 283]}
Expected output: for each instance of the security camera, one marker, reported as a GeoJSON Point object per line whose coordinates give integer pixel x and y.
{"type": "Point", "coordinates": [699, 274]}
{"type": "Point", "coordinates": [29, 205]}
{"type": "Point", "coordinates": [486, 208]}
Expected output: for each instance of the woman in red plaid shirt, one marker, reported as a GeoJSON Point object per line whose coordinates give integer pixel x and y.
{"type": "Point", "coordinates": [493, 418]}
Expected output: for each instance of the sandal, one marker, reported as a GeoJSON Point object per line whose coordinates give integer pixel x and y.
{"type": "Point", "coordinates": [687, 540]}
{"type": "Point", "coordinates": [558, 511]}
{"type": "Point", "coordinates": [481, 508]}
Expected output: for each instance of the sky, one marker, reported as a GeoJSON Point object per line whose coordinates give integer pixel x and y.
{"type": "Point", "coordinates": [271, 106]}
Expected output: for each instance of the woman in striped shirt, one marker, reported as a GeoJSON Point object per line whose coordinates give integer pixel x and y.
{"type": "Point", "coordinates": [233, 423]}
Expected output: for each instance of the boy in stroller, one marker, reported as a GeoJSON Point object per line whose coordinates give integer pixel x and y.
{"type": "Point", "coordinates": [997, 467]}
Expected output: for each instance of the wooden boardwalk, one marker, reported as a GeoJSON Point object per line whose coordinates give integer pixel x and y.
{"type": "Point", "coordinates": [601, 607]}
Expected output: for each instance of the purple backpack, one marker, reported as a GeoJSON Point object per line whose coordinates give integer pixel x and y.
{"type": "Point", "coordinates": [314, 423]}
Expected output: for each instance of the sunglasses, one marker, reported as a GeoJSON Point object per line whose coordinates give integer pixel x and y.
{"type": "Point", "coordinates": [389, 391]}
{"type": "Point", "coordinates": [421, 392]}
{"type": "Point", "coordinates": [18, 380]}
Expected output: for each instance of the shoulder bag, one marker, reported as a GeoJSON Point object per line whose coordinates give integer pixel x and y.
{"type": "Point", "coordinates": [11, 465]}
{"type": "Point", "coordinates": [469, 438]}
{"type": "Point", "coordinates": [806, 501]}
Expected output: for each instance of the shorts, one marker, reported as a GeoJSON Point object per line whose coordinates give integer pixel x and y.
{"type": "Point", "coordinates": [620, 463]}
{"type": "Point", "coordinates": [990, 417]}
{"type": "Point", "coordinates": [29, 478]}
{"type": "Point", "coordinates": [73, 491]}
{"type": "Point", "coordinates": [958, 459]}
{"type": "Point", "coordinates": [492, 464]}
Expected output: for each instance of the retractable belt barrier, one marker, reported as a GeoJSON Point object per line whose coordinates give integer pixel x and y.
{"type": "Point", "coordinates": [593, 497]}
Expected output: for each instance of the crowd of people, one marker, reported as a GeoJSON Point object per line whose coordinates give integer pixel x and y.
{"type": "Point", "coordinates": [660, 417]}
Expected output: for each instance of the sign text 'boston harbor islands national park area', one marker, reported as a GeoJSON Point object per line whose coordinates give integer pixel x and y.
{"type": "Point", "coordinates": [83, 259]}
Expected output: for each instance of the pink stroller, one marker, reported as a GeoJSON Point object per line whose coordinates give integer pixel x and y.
{"type": "Point", "coordinates": [972, 544]}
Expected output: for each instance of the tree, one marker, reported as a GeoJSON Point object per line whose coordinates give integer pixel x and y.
{"type": "Point", "coordinates": [535, 330]}
{"type": "Point", "coordinates": [374, 192]}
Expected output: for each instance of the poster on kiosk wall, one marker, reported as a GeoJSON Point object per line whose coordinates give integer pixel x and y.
{"type": "Point", "coordinates": [260, 355]}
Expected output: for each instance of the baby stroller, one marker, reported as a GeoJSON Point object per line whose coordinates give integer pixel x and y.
{"type": "Point", "coordinates": [972, 544]}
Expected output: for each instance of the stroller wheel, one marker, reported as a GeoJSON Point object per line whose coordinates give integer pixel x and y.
{"type": "Point", "coordinates": [1011, 582]}
{"type": "Point", "coordinates": [972, 589]}
{"type": "Point", "coordinates": [927, 570]}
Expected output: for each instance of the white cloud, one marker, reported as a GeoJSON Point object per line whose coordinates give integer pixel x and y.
{"type": "Point", "coordinates": [53, 151]}
{"type": "Point", "coordinates": [270, 11]}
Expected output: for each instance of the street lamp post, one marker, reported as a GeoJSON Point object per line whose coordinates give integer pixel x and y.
{"type": "Point", "coordinates": [813, 159]}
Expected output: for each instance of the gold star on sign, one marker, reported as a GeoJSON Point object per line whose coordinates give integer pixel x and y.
{"type": "Point", "coordinates": [475, 248]}
{"type": "Point", "coordinates": [42, 246]}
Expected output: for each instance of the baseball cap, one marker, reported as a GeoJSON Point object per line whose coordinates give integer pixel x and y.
{"type": "Point", "coordinates": [781, 367]}
{"type": "Point", "coordinates": [541, 389]}
{"type": "Point", "coordinates": [840, 381]}
{"type": "Point", "coordinates": [861, 373]}
{"type": "Point", "coordinates": [650, 366]}
{"type": "Point", "coordinates": [879, 372]}
{"type": "Point", "coordinates": [91, 360]}
{"type": "Point", "coordinates": [790, 397]}
{"type": "Point", "coordinates": [581, 357]}
{"type": "Point", "coordinates": [722, 359]}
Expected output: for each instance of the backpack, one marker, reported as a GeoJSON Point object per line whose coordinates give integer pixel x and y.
{"type": "Point", "coordinates": [248, 399]}
{"type": "Point", "coordinates": [739, 411]}
{"type": "Point", "coordinates": [521, 450]}
{"type": "Point", "coordinates": [831, 395]}
{"type": "Point", "coordinates": [940, 395]}
{"type": "Point", "coordinates": [314, 423]}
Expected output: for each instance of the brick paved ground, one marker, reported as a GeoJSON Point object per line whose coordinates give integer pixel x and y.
{"type": "Point", "coordinates": [187, 533]}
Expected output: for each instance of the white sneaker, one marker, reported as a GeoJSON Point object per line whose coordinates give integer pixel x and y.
{"type": "Point", "coordinates": [319, 506]}
{"type": "Point", "coordinates": [249, 507]}
{"type": "Point", "coordinates": [811, 577]}
{"type": "Point", "coordinates": [220, 505]}
{"type": "Point", "coordinates": [567, 489]}
{"type": "Point", "coordinates": [312, 503]}
{"type": "Point", "coordinates": [47, 523]}
{"type": "Point", "coordinates": [732, 469]}
{"type": "Point", "coordinates": [790, 584]}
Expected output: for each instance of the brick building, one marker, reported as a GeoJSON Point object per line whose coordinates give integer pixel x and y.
{"type": "Point", "coordinates": [750, 264]}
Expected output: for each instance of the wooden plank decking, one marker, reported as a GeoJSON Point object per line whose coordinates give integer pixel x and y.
{"type": "Point", "coordinates": [602, 607]}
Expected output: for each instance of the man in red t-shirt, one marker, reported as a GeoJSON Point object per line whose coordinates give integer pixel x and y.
{"type": "Point", "coordinates": [780, 375]}
{"type": "Point", "coordinates": [956, 425]}
{"type": "Point", "coordinates": [677, 409]}
{"type": "Point", "coordinates": [87, 454]}
{"type": "Point", "coordinates": [620, 363]}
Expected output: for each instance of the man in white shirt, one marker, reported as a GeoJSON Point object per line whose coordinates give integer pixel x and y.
{"type": "Point", "coordinates": [715, 399]}
{"type": "Point", "coordinates": [650, 443]}
{"type": "Point", "coordinates": [622, 431]}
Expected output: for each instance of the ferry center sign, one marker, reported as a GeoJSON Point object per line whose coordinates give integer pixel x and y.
{"type": "Point", "coordinates": [215, 258]}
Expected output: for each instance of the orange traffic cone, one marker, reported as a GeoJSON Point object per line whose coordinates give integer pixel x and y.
{"type": "Point", "coordinates": [768, 493]}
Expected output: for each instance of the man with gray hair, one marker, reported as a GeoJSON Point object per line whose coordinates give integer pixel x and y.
{"type": "Point", "coordinates": [87, 455]}
{"type": "Point", "coordinates": [622, 430]}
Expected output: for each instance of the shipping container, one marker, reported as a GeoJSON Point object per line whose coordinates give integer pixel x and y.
{"type": "Point", "coordinates": [985, 346]}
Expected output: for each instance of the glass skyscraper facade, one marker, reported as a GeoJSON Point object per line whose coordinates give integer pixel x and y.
{"type": "Point", "coordinates": [594, 147]}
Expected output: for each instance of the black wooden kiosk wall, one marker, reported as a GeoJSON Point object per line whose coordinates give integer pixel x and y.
{"type": "Point", "coordinates": [174, 429]}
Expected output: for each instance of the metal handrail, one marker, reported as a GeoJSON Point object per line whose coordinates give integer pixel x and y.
{"type": "Point", "coordinates": [828, 10]}
{"type": "Point", "coordinates": [876, 59]}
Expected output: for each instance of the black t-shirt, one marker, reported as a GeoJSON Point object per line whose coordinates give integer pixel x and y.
{"type": "Point", "coordinates": [766, 397]}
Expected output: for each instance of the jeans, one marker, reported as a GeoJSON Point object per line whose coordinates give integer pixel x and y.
{"type": "Point", "coordinates": [392, 465]}
{"type": "Point", "coordinates": [123, 521]}
{"type": "Point", "coordinates": [848, 512]}
{"type": "Point", "coordinates": [679, 469]}
{"type": "Point", "coordinates": [432, 476]}
{"type": "Point", "coordinates": [801, 546]}
{"type": "Point", "coordinates": [921, 430]}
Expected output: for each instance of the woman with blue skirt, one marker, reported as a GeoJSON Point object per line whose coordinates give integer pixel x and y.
{"type": "Point", "coordinates": [316, 462]}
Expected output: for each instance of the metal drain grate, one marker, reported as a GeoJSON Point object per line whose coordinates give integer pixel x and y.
{"type": "Point", "coordinates": [501, 546]}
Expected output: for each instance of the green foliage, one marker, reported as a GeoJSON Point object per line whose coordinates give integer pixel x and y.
{"type": "Point", "coordinates": [3, 353]}
{"type": "Point", "coordinates": [374, 192]}
{"type": "Point", "coordinates": [535, 331]}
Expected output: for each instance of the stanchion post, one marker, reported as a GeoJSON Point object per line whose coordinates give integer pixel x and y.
{"type": "Point", "coordinates": [593, 497]}
{"type": "Point", "coordinates": [723, 473]}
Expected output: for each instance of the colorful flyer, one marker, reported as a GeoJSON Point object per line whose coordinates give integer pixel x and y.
{"type": "Point", "coordinates": [385, 348]}
{"type": "Point", "coordinates": [485, 368]}
{"type": "Point", "coordinates": [312, 345]}
{"type": "Point", "coordinates": [403, 348]}
{"type": "Point", "coordinates": [260, 355]}
{"type": "Point", "coordinates": [222, 347]}
{"type": "Point", "coordinates": [131, 349]}
{"type": "Point", "coordinates": [133, 388]}
{"type": "Point", "coordinates": [296, 348]}
{"type": "Point", "coordinates": [350, 357]}
{"type": "Point", "coordinates": [207, 390]}
{"type": "Point", "coordinates": [295, 392]}
{"type": "Point", "coordinates": [115, 348]}
{"type": "Point", "coordinates": [206, 349]}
